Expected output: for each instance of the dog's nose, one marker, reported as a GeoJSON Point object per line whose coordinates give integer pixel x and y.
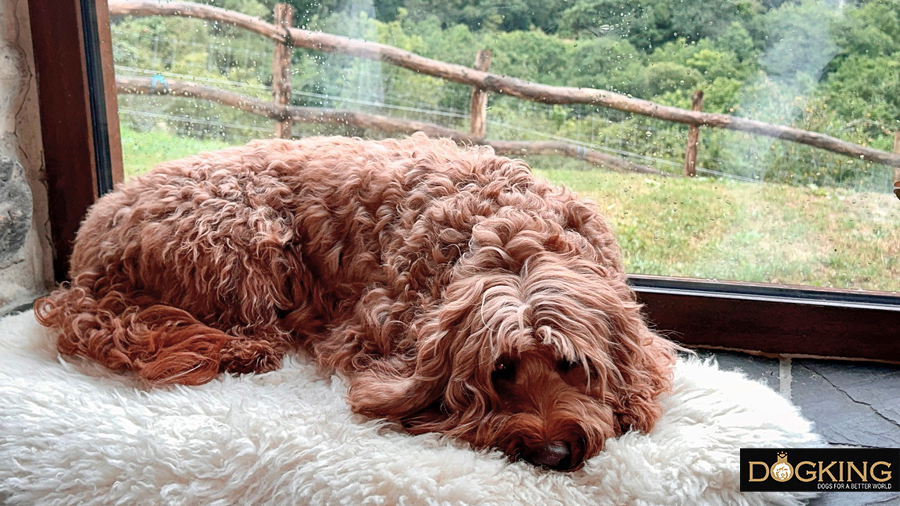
{"type": "Point", "coordinates": [553, 455]}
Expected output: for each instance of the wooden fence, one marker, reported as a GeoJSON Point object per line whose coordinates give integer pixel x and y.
{"type": "Point", "coordinates": [482, 82]}
{"type": "Point", "coordinates": [897, 169]}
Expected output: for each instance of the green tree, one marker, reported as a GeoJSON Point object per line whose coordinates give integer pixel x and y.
{"type": "Point", "coordinates": [479, 15]}
{"type": "Point", "coordinates": [647, 24]}
{"type": "Point", "coordinates": [608, 63]}
{"type": "Point", "coordinates": [800, 40]}
{"type": "Point", "coordinates": [866, 88]}
{"type": "Point", "coordinates": [872, 30]}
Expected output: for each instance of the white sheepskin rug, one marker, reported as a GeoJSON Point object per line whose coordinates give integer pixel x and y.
{"type": "Point", "coordinates": [71, 432]}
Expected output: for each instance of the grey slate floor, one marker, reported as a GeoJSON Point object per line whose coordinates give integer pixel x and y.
{"type": "Point", "coordinates": [851, 403]}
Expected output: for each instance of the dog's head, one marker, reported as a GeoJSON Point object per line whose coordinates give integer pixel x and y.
{"type": "Point", "coordinates": [536, 347]}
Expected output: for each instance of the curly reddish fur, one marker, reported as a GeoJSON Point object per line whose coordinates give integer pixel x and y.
{"type": "Point", "coordinates": [460, 294]}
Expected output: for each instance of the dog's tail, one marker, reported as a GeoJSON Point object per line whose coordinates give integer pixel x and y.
{"type": "Point", "coordinates": [160, 343]}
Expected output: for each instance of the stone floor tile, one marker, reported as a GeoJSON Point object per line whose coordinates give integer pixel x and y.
{"type": "Point", "coordinates": [851, 403]}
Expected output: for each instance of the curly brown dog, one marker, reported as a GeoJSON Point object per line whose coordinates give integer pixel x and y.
{"type": "Point", "coordinates": [458, 292]}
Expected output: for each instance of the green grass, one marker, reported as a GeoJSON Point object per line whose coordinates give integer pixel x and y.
{"type": "Point", "coordinates": [732, 230]}
{"type": "Point", "coordinates": [701, 228]}
{"type": "Point", "coordinates": [141, 151]}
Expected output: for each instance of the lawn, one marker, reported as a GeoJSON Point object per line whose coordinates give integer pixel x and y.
{"type": "Point", "coordinates": [701, 227]}
{"type": "Point", "coordinates": [141, 151]}
{"type": "Point", "coordinates": [733, 230]}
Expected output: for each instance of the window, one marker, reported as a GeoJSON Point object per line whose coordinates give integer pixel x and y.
{"type": "Point", "coordinates": [769, 244]}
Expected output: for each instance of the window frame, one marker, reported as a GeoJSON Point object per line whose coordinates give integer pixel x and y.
{"type": "Point", "coordinates": [73, 59]}
{"type": "Point", "coordinates": [79, 119]}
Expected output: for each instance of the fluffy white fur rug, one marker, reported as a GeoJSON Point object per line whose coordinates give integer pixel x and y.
{"type": "Point", "coordinates": [73, 433]}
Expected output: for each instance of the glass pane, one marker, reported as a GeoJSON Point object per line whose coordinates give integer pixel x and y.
{"type": "Point", "coordinates": [759, 209]}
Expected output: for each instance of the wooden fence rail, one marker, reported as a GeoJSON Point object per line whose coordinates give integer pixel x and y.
{"type": "Point", "coordinates": [483, 80]}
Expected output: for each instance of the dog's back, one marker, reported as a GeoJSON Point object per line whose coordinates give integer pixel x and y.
{"type": "Point", "coordinates": [222, 261]}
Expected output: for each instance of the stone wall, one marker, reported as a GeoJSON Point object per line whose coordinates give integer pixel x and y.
{"type": "Point", "coordinates": [26, 269]}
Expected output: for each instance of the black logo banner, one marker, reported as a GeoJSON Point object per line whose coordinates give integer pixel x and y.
{"type": "Point", "coordinates": [820, 469]}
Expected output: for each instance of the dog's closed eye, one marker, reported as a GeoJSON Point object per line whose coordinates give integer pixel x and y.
{"type": "Point", "coordinates": [504, 370]}
{"type": "Point", "coordinates": [565, 365]}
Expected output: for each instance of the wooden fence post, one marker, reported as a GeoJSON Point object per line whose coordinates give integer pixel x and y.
{"type": "Point", "coordinates": [897, 169]}
{"type": "Point", "coordinates": [478, 120]}
{"type": "Point", "coordinates": [281, 69]}
{"type": "Point", "coordinates": [690, 154]}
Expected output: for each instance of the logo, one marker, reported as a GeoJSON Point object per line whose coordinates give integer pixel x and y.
{"type": "Point", "coordinates": [820, 469]}
{"type": "Point", "coordinates": [782, 470]}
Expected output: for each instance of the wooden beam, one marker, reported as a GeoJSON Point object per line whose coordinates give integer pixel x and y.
{"type": "Point", "coordinates": [478, 107]}
{"type": "Point", "coordinates": [690, 153]}
{"type": "Point", "coordinates": [281, 68]}
{"type": "Point", "coordinates": [605, 160]}
{"type": "Point", "coordinates": [109, 92]}
{"type": "Point", "coordinates": [66, 128]}
{"type": "Point", "coordinates": [143, 86]}
{"type": "Point", "coordinates": [897, 169]}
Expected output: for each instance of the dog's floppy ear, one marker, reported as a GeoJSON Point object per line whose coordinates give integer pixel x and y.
{"type": "Point", "coordinates": [401, 388]}
{"type": "Point", "coordinates": [644, 361]}
{"type": "Point", "coordinates": [392, 391]}
{"type": "Point", "coordinates": [412, 387]}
